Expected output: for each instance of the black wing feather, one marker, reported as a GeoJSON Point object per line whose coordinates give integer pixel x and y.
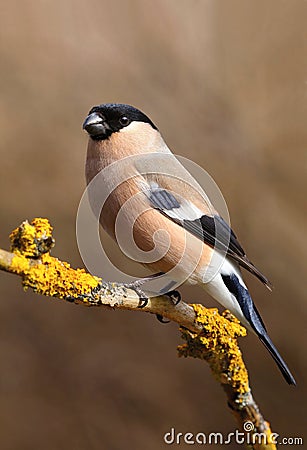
{"type": "Point", "coordinates": [212, 230]}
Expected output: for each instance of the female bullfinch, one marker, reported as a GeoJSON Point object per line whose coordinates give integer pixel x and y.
{"type": "Point", "coordinates": [171, 218]}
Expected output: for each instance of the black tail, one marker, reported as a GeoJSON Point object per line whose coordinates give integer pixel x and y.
{"type": "Point", "coordinates": [253, 317]}
{"type": "Point", "coordinates": [278, 359]}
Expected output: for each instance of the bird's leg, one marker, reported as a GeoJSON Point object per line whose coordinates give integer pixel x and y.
{"type": "Point", "coordinates": [136, 287]}
{"type": "Point", "coordinates": [175, 296]}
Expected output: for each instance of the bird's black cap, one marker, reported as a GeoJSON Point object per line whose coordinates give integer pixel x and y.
{"type": "Point", "coordinates": [108, 118]}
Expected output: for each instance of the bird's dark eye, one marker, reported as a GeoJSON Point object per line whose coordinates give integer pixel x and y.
{"type": "Point", "coordinates": [124, 121]}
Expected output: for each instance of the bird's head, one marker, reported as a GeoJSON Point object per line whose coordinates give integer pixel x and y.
{"type": "Point", "coordinates": [104, 120]}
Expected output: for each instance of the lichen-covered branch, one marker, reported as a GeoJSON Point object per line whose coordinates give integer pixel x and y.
{"type": "Point", "coordinates": [207, 334]}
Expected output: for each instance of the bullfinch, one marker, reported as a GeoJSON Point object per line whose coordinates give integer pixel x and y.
{"type": "Point", "coordinates": [170, 217]}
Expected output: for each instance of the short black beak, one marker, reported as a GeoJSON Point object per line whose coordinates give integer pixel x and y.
{"type": "Point", "coordinates": [95, 125]}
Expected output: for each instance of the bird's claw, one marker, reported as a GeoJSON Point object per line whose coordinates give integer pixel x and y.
{"type": "Point", "coordinates": [161, 319]}
{"type": "Point", "coordinates": [143, 301]}
{"type": "Point", "coordinates": [175, 296]}
{"type": "Point", "coordinates": [135, 286]}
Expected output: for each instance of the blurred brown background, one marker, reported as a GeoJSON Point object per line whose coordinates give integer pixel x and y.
{"type": "Point", "coordinates": [226, 84]}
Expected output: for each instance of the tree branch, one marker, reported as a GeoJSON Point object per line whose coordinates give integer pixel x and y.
{"type": "Point", "coordinates": [208, 335]}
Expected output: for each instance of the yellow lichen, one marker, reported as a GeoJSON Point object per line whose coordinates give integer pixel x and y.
{"type": "Point", "coordinates": [23, 240]}
{"type": "Point", "coordinates": [56, 278]}
{"type": "Point", "coordinates": [32, 239]}
{"type": "Point", "coordinates": [42, 227]}
{"type": "Point", "coordinates": [44, 273]}
{"type": "Point", "coordinates": [20, 264]}
{"type": "Point", "coordinates": [218, 345]}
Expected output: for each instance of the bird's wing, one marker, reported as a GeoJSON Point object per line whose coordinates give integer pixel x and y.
{"type": "Point", "coordinates": [211, 229]}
